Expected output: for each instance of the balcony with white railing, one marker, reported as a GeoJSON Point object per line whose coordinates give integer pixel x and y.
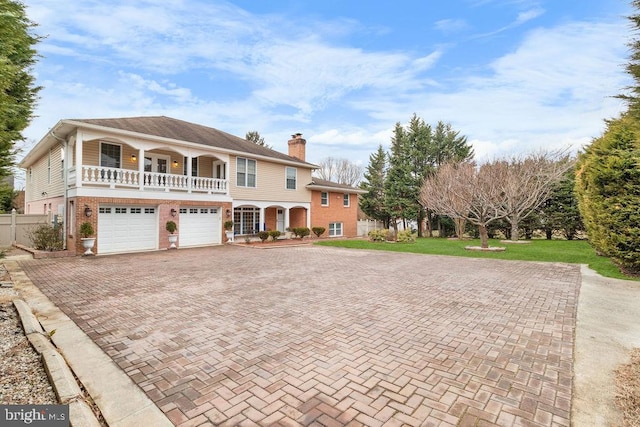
{"type": "Point", "coordinates": [117, 178]}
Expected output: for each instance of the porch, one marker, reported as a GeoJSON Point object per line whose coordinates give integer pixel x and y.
{"type": "Point", "coordinates": [144, 181]}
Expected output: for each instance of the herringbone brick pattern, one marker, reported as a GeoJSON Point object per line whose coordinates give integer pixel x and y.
{"type": "Point", "coordinates": [329, 337]}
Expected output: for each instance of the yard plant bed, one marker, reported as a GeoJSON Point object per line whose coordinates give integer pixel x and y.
{"type": "Point", "coordinates": [569, 251]}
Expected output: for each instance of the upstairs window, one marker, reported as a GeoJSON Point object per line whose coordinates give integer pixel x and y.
{"type": "Point", "coordinates": [346, 201]}
{"type": "Point", "coordinates": [245, 172]}
{"type": "Point", "coordinates": [324, 198]}
{"type": "Point", "coordinates": [110, 155]}
{"type": "Point", "coordinates": [291, 178]}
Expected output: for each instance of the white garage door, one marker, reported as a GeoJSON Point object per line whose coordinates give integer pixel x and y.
{"type": "Point", "coordinates": [199, 226]}
{"type": "Point", "coordinates": [127, 228]}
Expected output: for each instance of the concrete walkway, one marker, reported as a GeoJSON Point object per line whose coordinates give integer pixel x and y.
{"type": "Point", "coordinates": [322, 336]}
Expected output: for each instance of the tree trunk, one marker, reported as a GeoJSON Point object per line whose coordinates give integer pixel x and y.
{"type": "Point", "coordinates": [484, 236]}
{"type": "Point", "coordinates": [514, 230]}
{"type": "Point", "coordinates": [420, 222]}
{"type": "Point", "coordinates": [429, 224]}
{"type": "Point", "coordinates": [460, 225]}
{"type": "Point", "coordinates": [549, 233]}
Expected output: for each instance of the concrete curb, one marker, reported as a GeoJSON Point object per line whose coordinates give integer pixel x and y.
{"type": "Point", "coordinates": [121, 402]}
{"type": "Point", "coordinates": [59, 373]}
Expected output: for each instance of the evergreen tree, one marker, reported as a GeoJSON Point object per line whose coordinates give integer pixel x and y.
{"type": "Point", "coordinates": [401, 196]}
{"type": "Point", "coordinates": [254, 136]}
{"type": "Point", "coordinates": [18, 94]}
{"type": "Point", "coordinates": [560, 211]}
{"type": "Point", "coordinates": [608, 190]}
{"type": "Point", "coordinates": [372, 203]}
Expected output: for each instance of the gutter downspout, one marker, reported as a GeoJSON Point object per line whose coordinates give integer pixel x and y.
{"type": "Point", "coordinates": [65, 147]}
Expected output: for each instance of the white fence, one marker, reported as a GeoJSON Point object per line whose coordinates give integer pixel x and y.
{"type": "Point", "coordinates": [366, 225]}
{"type": "Point", "coordinates": [15, 228]}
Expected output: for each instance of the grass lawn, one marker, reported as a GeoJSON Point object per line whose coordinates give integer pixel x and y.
{"type": "Point", "coordinates": [574, 251]}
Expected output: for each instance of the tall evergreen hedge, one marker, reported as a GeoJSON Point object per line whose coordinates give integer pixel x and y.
{"type": "Point", "coordinates": [608, 191]}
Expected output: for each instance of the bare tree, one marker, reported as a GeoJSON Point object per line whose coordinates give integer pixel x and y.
{"type": "Point", "coordinates": [466, 192]}
{"type": "Point", "coordinates": [341, 171]}
{"type": "Point", "coordinates": [529, 181]}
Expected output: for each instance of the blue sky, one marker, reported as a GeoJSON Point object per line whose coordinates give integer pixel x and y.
{"type": "Point", "coordinates": [512, 75]}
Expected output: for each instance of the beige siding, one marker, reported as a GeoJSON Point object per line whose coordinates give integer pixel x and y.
{"type": "Point", "coordinates": [45, 176]}
{"type": "Point", "coordinates": [270, 183]}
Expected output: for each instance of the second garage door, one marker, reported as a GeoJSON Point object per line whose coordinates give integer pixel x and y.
{"type": "Point", "coordinates": [199, 227]}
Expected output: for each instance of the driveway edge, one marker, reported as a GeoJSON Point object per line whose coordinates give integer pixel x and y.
{"type": "Point", "coordinates": [606, 331]}
{"type": "Point", "coordinates": [121, 402]}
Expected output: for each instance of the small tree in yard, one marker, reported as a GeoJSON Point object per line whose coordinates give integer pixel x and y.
{"type": "Point", "coordinates": [528, 182]}
{"type": "Point", "coordinates": [464, 191]}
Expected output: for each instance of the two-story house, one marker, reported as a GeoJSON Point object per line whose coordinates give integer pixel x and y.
{"type": "Point", "coordinates": [129, 176]}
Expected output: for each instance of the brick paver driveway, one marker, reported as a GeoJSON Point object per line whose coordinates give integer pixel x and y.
{"type": "Point", "coordinates": [324, 336]}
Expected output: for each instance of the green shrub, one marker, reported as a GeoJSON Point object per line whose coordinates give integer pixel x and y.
{"type": "Point", "coordinates": [274, 234]}
{"type": "Point", "coordinates": [378, 235]}
{"type": "Point", "coordinates": [301, 232]}
{"type": "Point", "coordinates": [406, 236]}
{"type": "Point", "coordinates": [86, 229]}
{"type": "Point", "coordinates": [47, 238]}
{"type": "Point", "coordinates": [263, 235]}
{"type": "Point", "coordinates": [318, 231]}
{"type": "Point", "coordinates": [170, 226]}
{"type": "Point", "coordinates": [607, 186]}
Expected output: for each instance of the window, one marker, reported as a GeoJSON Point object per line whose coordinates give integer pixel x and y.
{"type": "Point", "coordinates": [291, 178]}
{"type": "Point", "coordinates": [324, 198]}
{"type": "Point", "coordinates": [335, 229]}
{"type": "Point", "coordinates": [109, 155]}
{"type": "Point", "coordinates": [245, 172]}
{"type": "Point", "coordinates": [194, 166]}
{"type": "Point", "coordinates": [345, 201]}
{"type": "Point", "coordinates": [246, 220]}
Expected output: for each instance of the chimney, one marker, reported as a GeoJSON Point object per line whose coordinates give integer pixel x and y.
{"type": "Point", "coordinates": [296, 146]}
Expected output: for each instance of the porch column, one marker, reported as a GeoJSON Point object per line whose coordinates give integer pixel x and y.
{"type": "Point", "coordinates": [262, 225]}
{"type": "Point", "coordinates": [309, 218]}
{"type": "Point", "coordinates": [189, 173]}
{"type": "Point", "coordinates": [79, 172]}
{"type": "Point", "coordinates": [141, 168]}
{"type": "Point", "coordinates": [286, 219]}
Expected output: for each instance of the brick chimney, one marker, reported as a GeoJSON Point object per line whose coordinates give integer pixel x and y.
{"type": "Point", "coordinates": [297, 146]}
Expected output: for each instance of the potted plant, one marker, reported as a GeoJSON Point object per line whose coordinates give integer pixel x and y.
{"type": "Point", "coordinates": [173, 238]}
{"type": "Point", "coordinates": [228, 227]}
{"type": "Point", "coordinates": [88, 238]}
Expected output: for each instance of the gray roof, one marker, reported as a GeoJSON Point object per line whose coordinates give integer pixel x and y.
{"type": "Point", "coordinates": [323, 183]}
{"type": "Point", "coordinates": [181, 130]}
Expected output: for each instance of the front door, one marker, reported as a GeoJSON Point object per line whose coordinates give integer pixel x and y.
{"type": "Point", "coordinates": [155, 166]}
{"type": "Point", "coordinates": [280, 220]}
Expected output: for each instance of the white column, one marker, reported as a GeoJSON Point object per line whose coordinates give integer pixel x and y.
{"type": "Point", "coordinates": [79, 171]}
{"type": "Point", "coordinates": [189, 172]}
{"type": "Point", "coordinates": [286, 219]}
{"type": "Point", "coordinates": [141, 169]}
{"type": "Point", "coordinates": [262, 224]}
{"type": "Point", "coordinates": [309, 217]}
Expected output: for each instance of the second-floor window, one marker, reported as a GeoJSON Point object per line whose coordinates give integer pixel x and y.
{"type": "Point", "coordinates": [291, 178]}
{"type": "Point", "coordinates": [324, 198]}
{"type": "Point", "coordinates": [109, 155]}
{"type": "Point", "coordinates": [345, 201]}
{"type": "Point", "coordinates": [245, 172]}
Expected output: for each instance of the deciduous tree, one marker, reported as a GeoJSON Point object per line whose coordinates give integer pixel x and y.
{"type": "Point", "coordinates": [338, 170]}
